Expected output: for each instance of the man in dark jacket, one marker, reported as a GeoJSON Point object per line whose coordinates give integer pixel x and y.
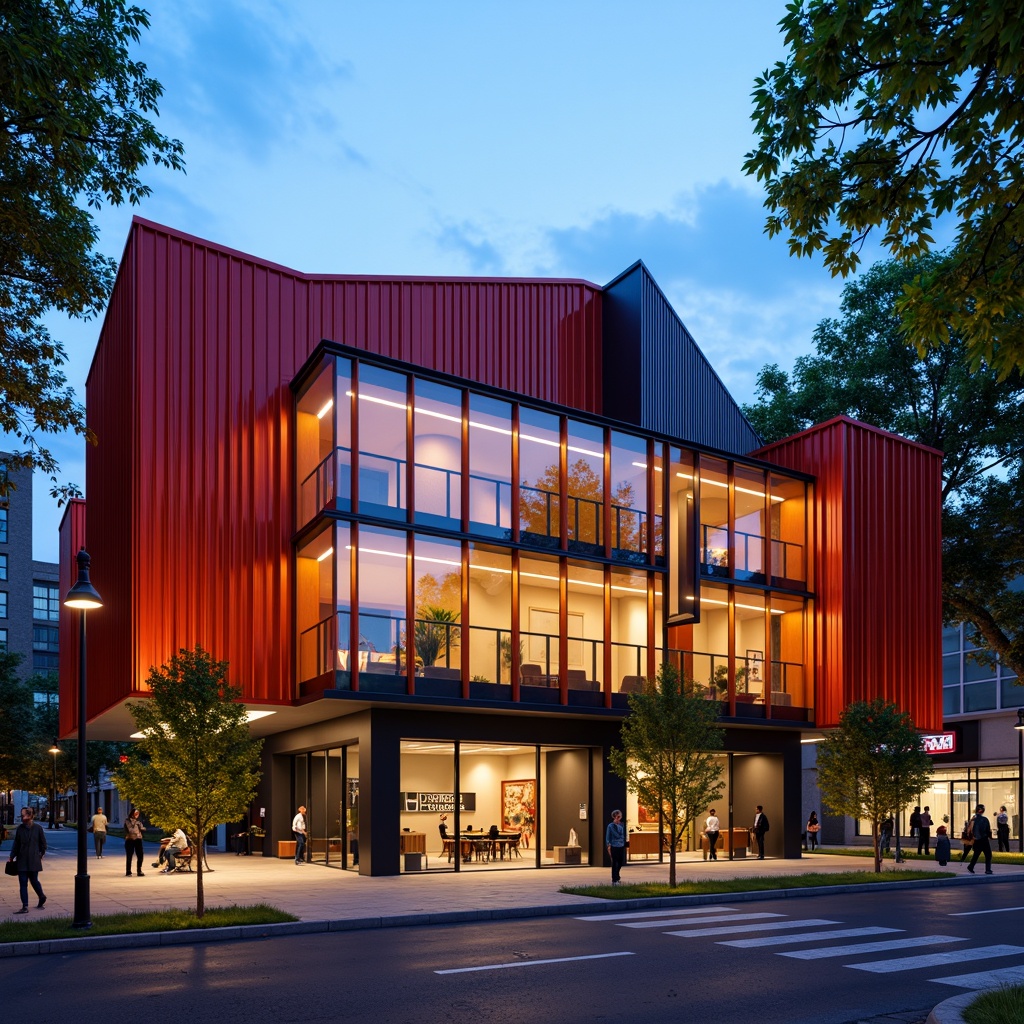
{"type": "Point", "coordinates": [27, 852]}
{"type": "Point", "coordinates": [982, 832]}
{"type": "Point", "coordinates": [760, 827]}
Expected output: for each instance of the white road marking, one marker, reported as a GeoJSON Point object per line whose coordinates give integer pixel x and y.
{"type": "Point", "coordinates": [975, 913]}
{"type": "Point", "coordinates": [907, 942]}
{"type": "Point", "coordinates": [779, 940]}
{"type": "Point", "coordinates": [696, 933]}
{"type": "Point", "coordinates": [668, 922]}
{"type": "Point", "coordinates": [531, 963]}
{"type": "Point", "coordinates": [913, 963]}
{"type": "Point", "coordinates": [985, 979]}
{"type": "Point", "coordinates": [656, 913]}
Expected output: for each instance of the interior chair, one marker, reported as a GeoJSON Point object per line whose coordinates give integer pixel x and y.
{"type": "Point", "coordinates": [492, 835]}
{"type": "Point", "coordinates": [513, 846]}
{"type": "Point", "coordinates": [632, 684]}
{"type": "Point", "coordinates": [530, 674]}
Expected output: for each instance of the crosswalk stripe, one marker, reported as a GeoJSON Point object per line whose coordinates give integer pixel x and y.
{"type": "Point", "coordinates": [975, 913]}
{"type": "Point", "coordinates": [907, 942]}
{"type": "Point", "coordinates": [695, 933]}
{"type": "Point", "coordinates": [668, 922]}
{"type": "Point", "coordinates": [657, 913]}
{"type": "Point", "coordinates": [778, 940]}
{"type": "Point", "coordinates": [985, 979]}
{"type": "Point", "coordinates": [913, 963]}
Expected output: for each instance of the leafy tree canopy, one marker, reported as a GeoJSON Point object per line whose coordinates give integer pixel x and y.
{"type": "Point", "coordinates": [885, 116]}
{"type": "Point", "coordinates": [17, 724]}
{"type": "Point", "coordinates": [667, 756]}
{"type": "Point", "coordinates": [73, 105]}
{"type": "Point", "coordinates": [862, 368]}
{"type": "Point", "coordinates": [872, 765]}
{"type": "Point", "coordinates": [196, 765]}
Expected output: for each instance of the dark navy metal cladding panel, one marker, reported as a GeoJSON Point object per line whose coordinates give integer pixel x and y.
{"type": "Point", "coordinates": [658, 378]}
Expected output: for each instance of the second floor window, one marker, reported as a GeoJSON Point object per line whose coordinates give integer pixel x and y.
{"type": "Point", "coordinates": [46, 602]}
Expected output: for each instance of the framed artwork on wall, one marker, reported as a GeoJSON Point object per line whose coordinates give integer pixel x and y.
{"type": "Point", "coordinates": [519, 807]}
{"type": "Point", "coordinates": [755, 665]}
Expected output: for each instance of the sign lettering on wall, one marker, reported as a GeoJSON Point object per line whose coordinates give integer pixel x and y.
{"type": "Point", "coordinates": [437, 803]}
{"type": "Point", "coordinates": [939, 742]}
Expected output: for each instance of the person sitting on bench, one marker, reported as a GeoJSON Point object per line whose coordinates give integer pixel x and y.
{"type": "Point", "coordinates": [178, 843]}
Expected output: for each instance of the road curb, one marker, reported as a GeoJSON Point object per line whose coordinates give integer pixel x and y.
{"type": "Point", "coordinates": [950, 1011]}
{"type": "Point", "coordinates": [183, 937]}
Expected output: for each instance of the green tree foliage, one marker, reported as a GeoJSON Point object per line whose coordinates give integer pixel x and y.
{"type": "Point", "coordinates": [872, 765]}
{"type": "Point", "coordinates": [885, 116]}
{"type": "Point", "coordinates": [667, 756]}
{"type": "Point", "coordinates": [17, 724]}
{"type": "Point", "coordinates": [75, 135]}
{"type": "Point", "coordinates": [862, 368]}
{"type": "Point", "coordinates": [196, 765]}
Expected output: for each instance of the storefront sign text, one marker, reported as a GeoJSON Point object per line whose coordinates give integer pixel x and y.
{"type": "Point", "coordinates": [939, 743]}
{"type": "Point", "coordinates": [438, 803]}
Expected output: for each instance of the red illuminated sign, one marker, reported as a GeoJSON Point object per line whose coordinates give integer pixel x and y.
{"type": "Point", "coordinates": [939, 743]}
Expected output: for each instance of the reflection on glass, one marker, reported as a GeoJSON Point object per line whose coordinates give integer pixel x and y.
{"type": "Point", "coordinates": [539, 501]}
{"type": "Point", "coordinates": [383, 407]}
{"type": "Point", "coordinates": [382, 590]}
{"type": "Point", "coordinates": [629, 497]}
{"type": "Point", "coordinates": [437, 582]}
{"type": "Point", "coordinates": [490, 466]}
{"type": "Point", "coordinates": [585, 476]}
{"type": "Point", "coordinates": [714, 517]}
{"type": "Point", "coordinates": [437, 419]}
{"type": "Point", "coordinates": [750, 519]}
{"type": "Point", "coordinates": [491, 656]}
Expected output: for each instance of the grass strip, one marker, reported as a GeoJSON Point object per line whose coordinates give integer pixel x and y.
{"type": "Point", "coordinates": [47, 928]}
{"type": "Point", "coordinates": [1000, 1006]}
{"type": "Point", "coordinates": [865, 851]}
{"type": "Point", "coordinates": [759, 883]}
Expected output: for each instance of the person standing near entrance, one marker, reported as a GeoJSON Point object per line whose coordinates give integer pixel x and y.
{"type": "Point", "coordinates": [982, 832]}
{"type": "Point", "coordinates": [760, 827]}
{"type": "Point", "coordinates": [27, 852]}
{"type": "Point", "coordinates": [924, 832]}
{"type": "Point", "coordinates": [299, 831]}
{"type": "Point", "coordinates": [98, 828]}
{"type": "Point", "coordinates": [1003, 830]}
{"type": "Point", "coordinates": [615, 840]}
{"type": "Point", "coordinates": [711, 829]}
{"type": "Point", "coordinates": [133, 829]}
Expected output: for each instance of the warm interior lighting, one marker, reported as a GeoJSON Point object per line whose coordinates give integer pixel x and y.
{"type": "Point", "coordinates": [250, 716]}
{"type": "Point", "coordinates": [814, 739]}
{"type": "Point", "coordinates": [328, 406]}
{"type": "Point", "coordinates": [327, 554]}
{"type": "Point", "coordinates": [748, 607]}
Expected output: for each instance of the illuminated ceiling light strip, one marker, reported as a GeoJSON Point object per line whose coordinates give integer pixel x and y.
{"type": "Point", "coordinates": [584, 451]}
{"type": "Point", "coordinates": [325, 555]}
{"type": "Point", "coordinates": [538, 440]}
{"type": "Point", "coordinates": [326, 409]}
{"type": "Point", "coordinates": [250, 716]}
{"type": "Point", "coordinates": [748, 607]}
{"type": "Point", "coordinates": [643, 465]}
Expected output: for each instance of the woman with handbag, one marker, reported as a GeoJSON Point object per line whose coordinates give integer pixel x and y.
{"type": "Point", "coordinates": [26, 859]}
{"type": "Point", "coordinates": [813, 828]}
{"type": "Point", "coordinates": [133, 829]}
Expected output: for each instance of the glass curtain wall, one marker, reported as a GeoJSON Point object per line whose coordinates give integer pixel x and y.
{"type": "Point", "coordinates": [383, 441]}
{"type": "Point", "coordinates": [491, 658]}
{"type": "Point", "coordinates": [629, 519]}
{"type": "Point", "coordinates": [585, 488]}
{"type": "Point", "coordinates": [437, 433]}
{"type": "Point", "coordinates": [749, 487]}
{"type": "Point", "coordinates": [585, 627]}
{"type": "Point", "coordinates": [682, 526]}
{"type": "Point", "coordinates": [382, 608]}
{"type": "Point", "coordinates": [788, 532]}
{"type": "Point", "coordinates": [714, 517]}
{"type": "Point", "coordinates": [629, 629]}
{"type": "Point", "coordinates": [539, 604]}
{"type": "Point", "coordinates": [437, 631]}
{"type": "Point", "coordinates": [540, 505]}
{"type": "Point", "coordinates": [490, 466]}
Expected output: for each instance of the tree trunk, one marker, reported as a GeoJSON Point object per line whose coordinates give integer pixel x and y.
{"type": "Point", "coordinates": [672, 858]}
{"type": "Point", "coordinates": [197, 855]}
{"type": "Point", "coordinates": [878, 848]}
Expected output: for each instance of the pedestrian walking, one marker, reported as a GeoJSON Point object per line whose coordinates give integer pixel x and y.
{"type": "Point", "coordinates": [27, 853]}
{"type": "Point", "coordinates": [967, 838]}
{"type": "Point", "coordinates": [915, 821]}
{"type": "Point", "coordinates": [133, 829]}
{"type": "Point", "coordinates": [813, 828]}
{"type": "Point", "coordinates": [1003, 830]}
{"type": "Point", "coordinates": [712, 827]}
{"type": "Point", "coordinates": [98, 828]}
{"type": "Point", "coordinates": [885, 832]}
{"type": "Point", "coordinates": [924, 832]}
{"type": "Point", "coordinates": [760, 827]}
{"type": "Point", "coordinates": [981, 830]}
{"type": "Point", "coordinates": [615, 841]}
{"type": "Point", "coordinates": [299, 831]}
{"type": "Point", "coordinates": [942, 846]}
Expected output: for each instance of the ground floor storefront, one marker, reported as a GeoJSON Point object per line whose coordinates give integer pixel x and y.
{"type": "Point", "coordinates": [394, 789]}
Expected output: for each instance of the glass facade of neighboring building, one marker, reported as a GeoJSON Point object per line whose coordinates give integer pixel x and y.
{"type": "Point", "coordinates": [974, 680]}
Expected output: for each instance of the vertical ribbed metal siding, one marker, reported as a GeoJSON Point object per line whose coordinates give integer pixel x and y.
{"type": "Point", "coordinates": [878, 568]}
{"type": "Point", "coordinates": [189, 396]}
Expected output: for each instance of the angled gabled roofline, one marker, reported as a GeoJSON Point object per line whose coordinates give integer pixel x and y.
{"type": "Point", "coordinates": [850, 421]}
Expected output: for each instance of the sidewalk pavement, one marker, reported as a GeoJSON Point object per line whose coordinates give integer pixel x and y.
{"type": "Point", "coordinates": [315, 893]}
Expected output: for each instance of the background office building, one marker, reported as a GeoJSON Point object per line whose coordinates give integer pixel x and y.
{"type": "Point", "coordinates": [441, 528]}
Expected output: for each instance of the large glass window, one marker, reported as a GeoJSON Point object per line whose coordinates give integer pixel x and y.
{"type": "Point", "coordinates": [707, 654]}
{"type": "Point", "coordinates": [383, 410]}
{"type": "Point", "coordinates": [319, 636]}
{"type": "Point", "coordinates": [437, 586]}
{"type": "Point", "coordinates": [585, 477]}
{"type": "Point", "coordinates": [585, 627]}
{"type": "Point", "coordinates": [539, 462]}
{"type": "Point", "coordinates": [3, 567]}
{"type": "Point", "coordinates": [750, 524]}
{"type": "Point", "coordinates": [714, 517]}
{"type": "Point", "coordinates": [790, 683]}
{"type": "Point", "coordinates": [490, 466]}
{"type": "Point", "coordinates": [629, 497]}
{"type": "Point", "coordinates": [683, 533]}
{"type": "Point", "coordinates": [45, 602]}
{"type": "Point", "coordinates": [490, 616]}
{"type": "Point", "coordinates": [629, 629]}
{"type": "Point", "coordinates": [438, 467]}
{"type": "Point", "coordinates": [382, 591]}
{"type": "Point", "coordinates": [321, 448]}
{"type": "Point", "coordinates": [3, 526]}
{"type": "Point", "coordinates": [749, 646]}
{"type": "Point", "coordinates": [538, 620]}
{"type": "Point", "coordinates": [788, 531]}
{"type": "Point", "coordinates": [45, 648]}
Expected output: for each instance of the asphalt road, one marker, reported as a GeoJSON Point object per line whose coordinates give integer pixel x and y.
{"type": "Point", "coordinates": [786, 961]}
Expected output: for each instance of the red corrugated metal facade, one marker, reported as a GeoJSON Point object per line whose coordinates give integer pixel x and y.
{"type": "Point", "coordinates": [877, 573]}
{"type": "Point", "coordinates": [190, 494]}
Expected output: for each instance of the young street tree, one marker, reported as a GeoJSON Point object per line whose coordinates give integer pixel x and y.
{"type": "Point", "coordinates": [872, 765]}
{"type": "Point", "coordinates": [863, 368]}
{"type": "Point", "coordinates": [886, 116]}
{"type": "Point", "coordinates": [17, 724]}
{"type": "Point", "coordinates": [667, 756]}
{"type": "Point", "coordinates": [196, 765]}
{"type": "Point", "coordinates": [75, 135]}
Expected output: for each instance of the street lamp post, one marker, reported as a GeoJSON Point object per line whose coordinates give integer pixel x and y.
{"type": "Point", "coordinates": [55, 750]}
{"type": "Point", "coordinates": [1020, 779]}
{"type": "Point", "coordinates": [83, 596]}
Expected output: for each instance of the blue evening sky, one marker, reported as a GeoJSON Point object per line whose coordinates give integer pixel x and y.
{"type": "Point", "coordinates": [471, 138]}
